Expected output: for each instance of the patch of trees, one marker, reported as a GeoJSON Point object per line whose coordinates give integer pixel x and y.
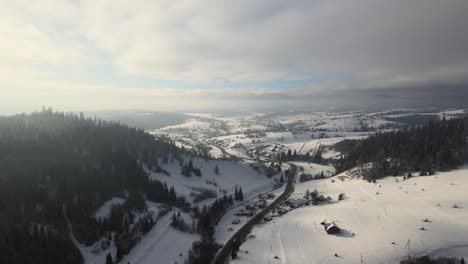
{"type": "Point", "coordinates": [414, 120]}
{"type": "Point", "coordinates": [202, 150]}
{"type": "Point", "coordinates": [269, 171]}
{"type": "Point", "coordinates": [363, 127]}
{"type": "Point", "coordinates": [109, 259]}
{"type": "Point", "coordinates": [203, 251]}
{"type": "Point", "coordinates": [316, 197]}
{"type": "Point", "coordinates": [238, 194]}
{"type": "Point", "coordinates": [341, 196]}
{"type": "Point", "coordinates": [56, 169]}
{"type": "Point", "coordinates": [129, 238]}
{"type": "Point", "coordinates": [178, 222]}
{"type": "Point", "coordinates": [202, 193]}
{"type": "Point", "coordinates": [316, 157]}
{"type": "Point", "coordinates": [188, 169]}
{"type": "Point", "coordinates": [429, 260]}
{"type": "Point", "coordinates": [159, 192]}
{"type": "Point", "coordinates": [435, 146]}
{"type": "Point", "coordinates": [304, 177]}
{"type": "Point", "coordinates": [22, 242]}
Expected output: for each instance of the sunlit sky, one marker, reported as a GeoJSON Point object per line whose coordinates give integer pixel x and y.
{"type": "Point", "coordinates": [200, 55]}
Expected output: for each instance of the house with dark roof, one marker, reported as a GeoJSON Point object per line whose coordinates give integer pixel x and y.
{"type": "Point", "coordinates": [331, 227]}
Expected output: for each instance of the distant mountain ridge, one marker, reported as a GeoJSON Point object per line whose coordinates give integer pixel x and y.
{"type": "Point", "coordinates": [147, 120]}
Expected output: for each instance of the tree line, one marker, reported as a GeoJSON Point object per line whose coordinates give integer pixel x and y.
{"type": "Point", "coordinates": [289, 155]}
{"type": "Point", "coordinates": [435, 146]}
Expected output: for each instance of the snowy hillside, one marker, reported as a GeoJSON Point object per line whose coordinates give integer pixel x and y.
{"type": "Point", "coordinates": [382, 222]}
{"type": "Point", "coordinates": [231, 174]}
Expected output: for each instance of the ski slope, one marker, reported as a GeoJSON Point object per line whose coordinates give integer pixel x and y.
{"type": "Point", "coordinates": [378, 214]}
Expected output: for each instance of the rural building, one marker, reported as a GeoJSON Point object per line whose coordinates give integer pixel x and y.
{"type": "Point", "coordinates": [331, 228]}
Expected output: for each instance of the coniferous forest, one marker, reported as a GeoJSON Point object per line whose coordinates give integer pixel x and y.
{"type": "Point", "coordinates": [435, 146]}
{"type": "Point", "coordinates": [56, 169]}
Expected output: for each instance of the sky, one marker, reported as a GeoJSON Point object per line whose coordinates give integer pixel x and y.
{"type": "Point", "coordinates": [176, 55]}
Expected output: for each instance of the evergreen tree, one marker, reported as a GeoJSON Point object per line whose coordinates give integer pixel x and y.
{"type": "Point", "coordinates": [174, 222]}
{"type": "Point", "coordinates": [241, 195]}
{"type": "Point", "coordinates": [119, 254]}
{"type": "Point", "coordinates": [236, 194]}
{"type": "Point", "coordinates": [109, 259]}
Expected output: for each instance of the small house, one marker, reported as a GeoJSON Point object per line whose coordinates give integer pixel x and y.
{"type": "Point", "coordinates": [248, 213]}
{"type": "Point", "coordinates": [261, 204]}
{"type": "Point", "coordinates": [239, 212]}
{"type": "Point", "coordinates": [282, 210]}
{"type": "Point", "coordinates": [331, 228]}
{"type": "Point", "coordinates": [250, 206]}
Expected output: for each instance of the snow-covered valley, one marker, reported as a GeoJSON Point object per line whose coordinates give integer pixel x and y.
{"type": "Point", "coordinates": [381, 222]}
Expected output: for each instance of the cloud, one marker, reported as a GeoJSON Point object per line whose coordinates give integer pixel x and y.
{"type": "Point", "coordinates": [347, 45]}
{"type": "Point", "coordinates": [267, 40]}
{"type": "Point", "coordinates": [31, 37]}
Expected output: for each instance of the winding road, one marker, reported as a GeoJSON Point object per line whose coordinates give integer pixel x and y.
{"type": "Point", "coordinates": [224, 253]}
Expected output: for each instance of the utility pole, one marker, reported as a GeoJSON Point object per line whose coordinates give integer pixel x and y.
{"type": "Point", "coordinates": [408, 245]}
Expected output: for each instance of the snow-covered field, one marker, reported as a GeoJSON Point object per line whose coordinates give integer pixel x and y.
{"type": "Point", "coordinates": [385, 219]}
{"type": "Point", "coordinates": [231, 174]}
{"type": "Point", "coordinates": [163, 244]}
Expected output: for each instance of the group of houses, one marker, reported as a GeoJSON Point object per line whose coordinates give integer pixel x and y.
{"type": "Point", "coordinates": [266, 150]}
{"type": "Point", "coordinates": [250, 208]}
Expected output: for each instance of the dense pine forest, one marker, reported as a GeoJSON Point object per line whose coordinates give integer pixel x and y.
{"type": "Point", "coordinates": [435, 146]}
{"type": "Point", "coordinates": [56, 169]}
